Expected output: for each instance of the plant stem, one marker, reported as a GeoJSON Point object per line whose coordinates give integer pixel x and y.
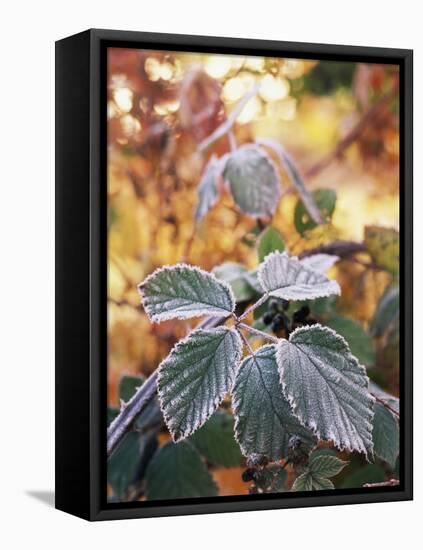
{"type": "Point", "coordinates": [257, 304]}
{"type": "Point", "coordinates": [246, 342]}
{"type": "Point", "coordinates": [230, 121]}
{"type": "Point", "coordinates": [128, 413]}
{"type": "Point", "coordinates": [386, 405]}
{"type": "Point", "coordinates": [258, 333]}
{"type": "Point", "coordinates": [390, 483]}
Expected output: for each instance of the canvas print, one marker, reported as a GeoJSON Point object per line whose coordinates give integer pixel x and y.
{"type": "Point", "coordinates": [253, 275]}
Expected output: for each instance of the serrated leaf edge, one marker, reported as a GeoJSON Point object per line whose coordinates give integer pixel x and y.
{"type": "Point", "coordinates": [335, 285]}
{"type": "Point", "coordinates": [167, 316]}
{"type": "Point", "coordinates": [218, 399]}
{"type": "Point", "coordinates": [293, 403]}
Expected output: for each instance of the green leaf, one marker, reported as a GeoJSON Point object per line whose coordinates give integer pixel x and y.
{"type": "Point", "coordinates": [325, 200]}
{"type": "Point", "coordinates": [270, 241]}
{"type": "Point", "coordinates": [284, 276]}
{"type": "Point", "coordinates": [195, 376]}
{"type": "Point", "coordinates": [253, 181]}
{"type": "Point", "coordinates": [215, 441]}
{"type": "Point", "coordinates": [123, 465]}
{"type": "Point", "coordinates": [182, 292]}
{"type": "Point", "coordinates": [385, 435]}
{"type": "Point", "coordinates": [383, 246]}
{"type": "Point", "coordinates": [326, 465]}
{"type": "Point", "coordinates": [327, 387]}
{"type": "Point", "coordinates": [304, 482]}
{"type": "Point", "coordinates": [128, 386]}
{"type": "Point", "coordinates": [321, 466]}
{"type": "Point", "coordinates": [360, 343]}
{"type": "Point", "coordinates": [237, 277]}
{"type": "Point", "coordinates": [387, 311]}
{"type": "Point", "coordinates": [208, 191]}
{"type": "Point", "coordinates": [321, 483]}
{"type": "Point", "coordinates": [264, 421]}
{"type": "Point", "coordinates": [177, 471]}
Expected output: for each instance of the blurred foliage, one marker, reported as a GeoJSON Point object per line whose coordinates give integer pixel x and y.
{"type": "Point", "coordinates": [161, 106]}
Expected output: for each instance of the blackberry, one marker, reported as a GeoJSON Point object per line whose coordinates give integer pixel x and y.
{"type": "Point", "coordinates": [248, 475]}
{"type": "Point", "coordinates": [278, 323]}
{"type": "Point", "coordinates": [268, 318]}
{"type": "Point", "coordinates": [301, 314]}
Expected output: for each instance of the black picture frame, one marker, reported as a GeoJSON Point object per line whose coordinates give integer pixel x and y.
{"type": "Point", "coordinates": [81, 274]}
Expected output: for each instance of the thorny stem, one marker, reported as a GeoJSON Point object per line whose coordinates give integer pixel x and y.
{"type": "Point", "coordinates": [253, 307]}
{"type": "Point", "coordinates": [258, 332]}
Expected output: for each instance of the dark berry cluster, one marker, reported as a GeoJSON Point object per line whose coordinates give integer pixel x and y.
{"type": "Point", "coordinates": [277, 317]}
{"type": "Point", "coordinates": [265, 477]}
{"type": "Point", "coordinates": [255, 473]}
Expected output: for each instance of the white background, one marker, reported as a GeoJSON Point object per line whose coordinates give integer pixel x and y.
{"type": "Point", "coordinates": [27, 37]}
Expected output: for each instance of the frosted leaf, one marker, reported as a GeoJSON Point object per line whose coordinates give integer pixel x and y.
{"type": "Point", "coordinates": [195, 376]}
{"type": "Point", "coordinates": [264, 421]}
{"type": "Point", "coordinates": [182, 292]}
{"type": "Point", "coordinates": [208, 191]}
{"type": "Point", "coordinates": [215, 441]}
{"type": "Point", "coordinates": [285, 276]}
{"type": "Point", "coordinates": [386, 435]}
{"type": "Point", "coordinates": [327, 387]}
{"type": "Point", "coordinates": [319, 262]}
{"type": "Point", "coordinates": [253, 181]}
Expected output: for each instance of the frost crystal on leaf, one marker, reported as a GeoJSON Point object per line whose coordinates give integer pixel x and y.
{"type": "Point", "coordinates": [253, 181]}
{"type": "Point", "coordinates": [195, 376]}
{"type": "Point", "coordinates": [320, 262]}
{"type": "Point", "coordinates": [208, 192]}
{"type": "Point", "coordinates": [327, 387]}
{"type": "Point", "coordinates": [182, 292]}
{"type": "Point", "coordinates": [285, 276]}
{"type": "Point", "coordinates": [264, 421]}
